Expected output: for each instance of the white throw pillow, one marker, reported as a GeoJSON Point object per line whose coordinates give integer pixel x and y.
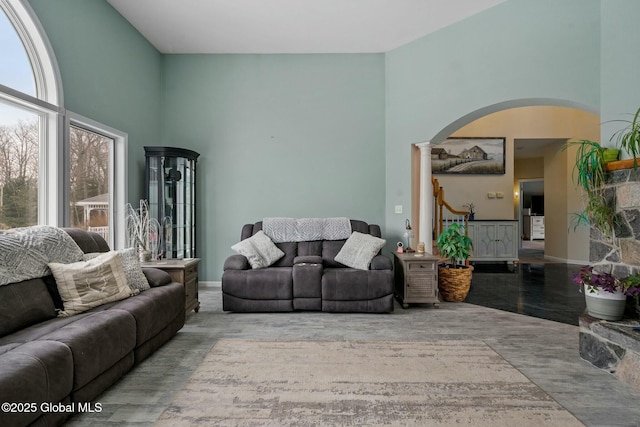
{"type": "Point", "coordinates": [259, 250]}
{"type": "Point", "coordinates": [136, 279]}
{"type": "Point", "coordinates": [359, 250]}
{"type": "Point", "coordinates": [87, 284]}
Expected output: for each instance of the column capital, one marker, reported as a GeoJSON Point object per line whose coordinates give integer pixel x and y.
{"type": "Point", "coordinates": [424, 146]}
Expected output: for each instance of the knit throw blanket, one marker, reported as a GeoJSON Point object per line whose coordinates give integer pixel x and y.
{"type": "Point", "coordinates": [306, 229]}
{"type": "Point", "coordinates": [25, 252]}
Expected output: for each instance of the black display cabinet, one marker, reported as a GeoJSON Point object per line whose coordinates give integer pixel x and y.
{"type": "Point", "coordinates": [171, 193]}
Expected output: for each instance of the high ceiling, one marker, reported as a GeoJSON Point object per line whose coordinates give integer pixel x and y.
{"type": "Point", "coordinates": [291, 26]}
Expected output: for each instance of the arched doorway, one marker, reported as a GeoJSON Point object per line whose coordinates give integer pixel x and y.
{"type": "Point", "coordinates": [533, 122]}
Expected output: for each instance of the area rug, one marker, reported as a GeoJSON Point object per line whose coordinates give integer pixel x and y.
{"type": "Point", "coordinates": [372, 383]}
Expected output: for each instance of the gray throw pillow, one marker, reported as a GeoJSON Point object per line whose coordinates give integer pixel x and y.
{"type": "Point", "coordinates": [359, 250]}
{"type": "Point", "coordinates": [259, 250]}
{"type": "Point", "coordinates": [136, 279]}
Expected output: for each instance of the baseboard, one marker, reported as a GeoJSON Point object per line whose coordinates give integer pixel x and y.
{"type": "Point", "coordinates": [564, 260]}
{"type": "Point", "coordinates": [208, 284]}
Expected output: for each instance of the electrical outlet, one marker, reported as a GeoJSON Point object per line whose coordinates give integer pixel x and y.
{"type": "Point", "coordinates": [491, 195]}
{"type": "Point", "coordinates": [398, 209]}
{"type": "Point", "coordinates": [500, 195]}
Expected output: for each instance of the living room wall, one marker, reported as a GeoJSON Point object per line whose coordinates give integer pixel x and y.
{"type": "Point", "coordinates": [110, 73]}
{"type": "Point", "coordinates": [279, 135]}
{"type": "Point", "coordinates": [620, 89]}
{"type": "Point", "coordinates": [520, 52]}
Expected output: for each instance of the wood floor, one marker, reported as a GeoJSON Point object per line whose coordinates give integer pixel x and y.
{"type": "Point", "coordinates": [545, 351]}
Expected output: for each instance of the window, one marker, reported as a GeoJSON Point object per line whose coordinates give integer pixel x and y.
{"type": "Point", "coordinates": [19, 166]}
{"type": "Point", "coordinates": [46, 178]}
{"type": "Point", "coordinates": [96, 169]}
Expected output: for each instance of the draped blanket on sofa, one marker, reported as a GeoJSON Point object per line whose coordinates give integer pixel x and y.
{"type": "Point", "coordinates": [25, 252]}
{"type": "Point", "coordinates": [306, 229]}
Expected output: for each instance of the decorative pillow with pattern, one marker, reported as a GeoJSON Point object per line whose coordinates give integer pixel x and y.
{"type": "Point", "coordinates": [136, 279]}
{"type": "Point", "coordinates": [87, 284]}
{"type": "Point", "coordinates": [259, 250]}
{"type": "Point", "coordinates": [359, 250]}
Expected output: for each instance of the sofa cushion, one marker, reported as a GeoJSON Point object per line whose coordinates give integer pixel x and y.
{"type": "Point", "coordinates": [348, 284]}
{"type": "Point", "coordinates": [259, 250]}
{"type": "Point", "coordinates": [34, 373]}
{"type": "Point", "coordinates": [156, 277]}
{"type": "Point", "coordinates": [330, 249]}
{"type": "Point", "coordinates": [359, 250]}
{"type": "Point", "coordinates": [86, 284]}
{"type": "Point", "coordinates": [88, 241]}
{"type": "Point", "coordinates": [290, 250]}
{"type": "Point", "coordinates": [24, 304]}
{"type": "Point", "coordinates": [273, 283]}
{"type": "Point", "coordinates": [310, 248]}
{"type": "Point", "coordinates": [97, 341]}
{"type": "Point", "coordinates": [136, 279]}
{"type": "Point", "coordinates": [152, 309]}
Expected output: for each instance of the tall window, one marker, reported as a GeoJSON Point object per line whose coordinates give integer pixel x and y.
{"type": "Point", "coordinates": [74, 181]}
{"type": "Point", "coordinates": [19, 166]}
{"type": "Point", "coordinates": [89, 178]}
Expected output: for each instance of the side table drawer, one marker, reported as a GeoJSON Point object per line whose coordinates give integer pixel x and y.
{"type": "Point", "coordinates": [418, 267]}
{"type": "Point", "coordinates": [191, 273]}
{"type": "Point", "coordinates": [191, 289]}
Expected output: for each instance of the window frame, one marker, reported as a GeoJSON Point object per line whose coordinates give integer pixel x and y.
{"type": "Point", "coordinates": [117, 181]}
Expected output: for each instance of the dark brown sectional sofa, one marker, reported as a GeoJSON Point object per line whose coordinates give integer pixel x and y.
{"type": "Point", "coordinates": [51, 366]}
{"type": "Point", "coordinates": [307, 277]}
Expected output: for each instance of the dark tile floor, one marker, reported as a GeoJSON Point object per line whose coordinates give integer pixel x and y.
{"type": "Point", "coordinates": [535, 288]}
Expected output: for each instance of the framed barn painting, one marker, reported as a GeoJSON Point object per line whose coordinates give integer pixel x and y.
{"type": "Point", "coordinates": [469, 156]}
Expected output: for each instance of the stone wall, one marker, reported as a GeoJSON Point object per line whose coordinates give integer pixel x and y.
{"type": "Point", "coordinates": [620, 254]}
{"type": "Point", "coordinates": [615, 346]}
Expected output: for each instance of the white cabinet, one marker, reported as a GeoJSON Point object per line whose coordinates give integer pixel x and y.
{"type": "Point", "coordinates": [494, 240]}
{"type": "Point", "coordinates": [533, 227]}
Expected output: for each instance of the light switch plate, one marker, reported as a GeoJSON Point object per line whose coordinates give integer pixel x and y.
{"type": "Point", "coordinates": [491, 195]}
{"type": "Point", "coordinates": [398, 209]}
{"type": "Point", "coordinates": [500, 195]}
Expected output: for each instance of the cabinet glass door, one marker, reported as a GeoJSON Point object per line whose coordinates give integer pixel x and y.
{"type": "Point", "coordinates": [171, 176]}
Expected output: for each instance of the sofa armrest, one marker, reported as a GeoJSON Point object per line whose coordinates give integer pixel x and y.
{"type": "Point", "coordinates": [308, 259]}
{"type": "Point", "coordinates": [236, 262]}
{"type": "Point", "coordinates": [156, 277]}
{"type": "Point", "coordinates": [381, 262]}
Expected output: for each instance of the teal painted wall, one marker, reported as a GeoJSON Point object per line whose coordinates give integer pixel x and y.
{"type": "Point", "coordinates": [110, 73]}
{"type": "Point", "coordinates": [279, 135]}
{"type": "Point", "coordinates": [620, 87]}
{"type": "Point", "coordinates": [520, 49]}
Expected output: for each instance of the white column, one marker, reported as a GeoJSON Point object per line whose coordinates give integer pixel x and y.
{"type": "Point", "coordinates": [426, 197]}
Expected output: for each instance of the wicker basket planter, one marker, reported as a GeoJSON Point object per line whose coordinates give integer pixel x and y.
{"type": "Point", "coordinates": [454, 283]}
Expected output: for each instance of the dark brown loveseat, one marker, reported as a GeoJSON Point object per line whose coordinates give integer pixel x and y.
{"type": "Point", "coordinates": [52, 366]}
{"type": "Point", "coordinates": [308, 277]}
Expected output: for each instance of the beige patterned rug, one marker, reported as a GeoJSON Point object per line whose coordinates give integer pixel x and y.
{"type": "Point", "coordinates": [317, 383]}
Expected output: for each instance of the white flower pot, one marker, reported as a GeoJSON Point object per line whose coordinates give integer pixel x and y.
{"type": "Point", "coordinates": [605, 305]}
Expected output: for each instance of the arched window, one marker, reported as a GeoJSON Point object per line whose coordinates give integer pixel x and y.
{"type": "Point", "coordinates": [30, 97]}
{"type": "Point", "coordinates": [41, 181]}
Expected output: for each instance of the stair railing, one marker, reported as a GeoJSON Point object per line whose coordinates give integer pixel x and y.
{"type": "Point", "coordinates": [444, 214]}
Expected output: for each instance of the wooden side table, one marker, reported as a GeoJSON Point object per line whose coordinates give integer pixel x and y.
{"type": "Point", "coordinates": [183, 271]}
{"type": "Point", "coordinates": [416, 279]}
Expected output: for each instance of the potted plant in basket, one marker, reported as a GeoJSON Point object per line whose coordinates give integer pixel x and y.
{"type": "Point", "coordinates": [605, 294]}
{"type": "Point", "coordinates": [454, 279]}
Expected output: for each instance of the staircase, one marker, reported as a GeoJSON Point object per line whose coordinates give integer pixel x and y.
{"type": "Point", "coordinates": [444, 214]}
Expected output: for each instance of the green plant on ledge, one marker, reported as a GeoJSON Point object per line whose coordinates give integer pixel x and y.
{"type": "Point", "coordinates": [628, 138]}
{"type": "Point", "coordinates": [454, 244]}
{"type": "Point", "coordinates": [589, 174]}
